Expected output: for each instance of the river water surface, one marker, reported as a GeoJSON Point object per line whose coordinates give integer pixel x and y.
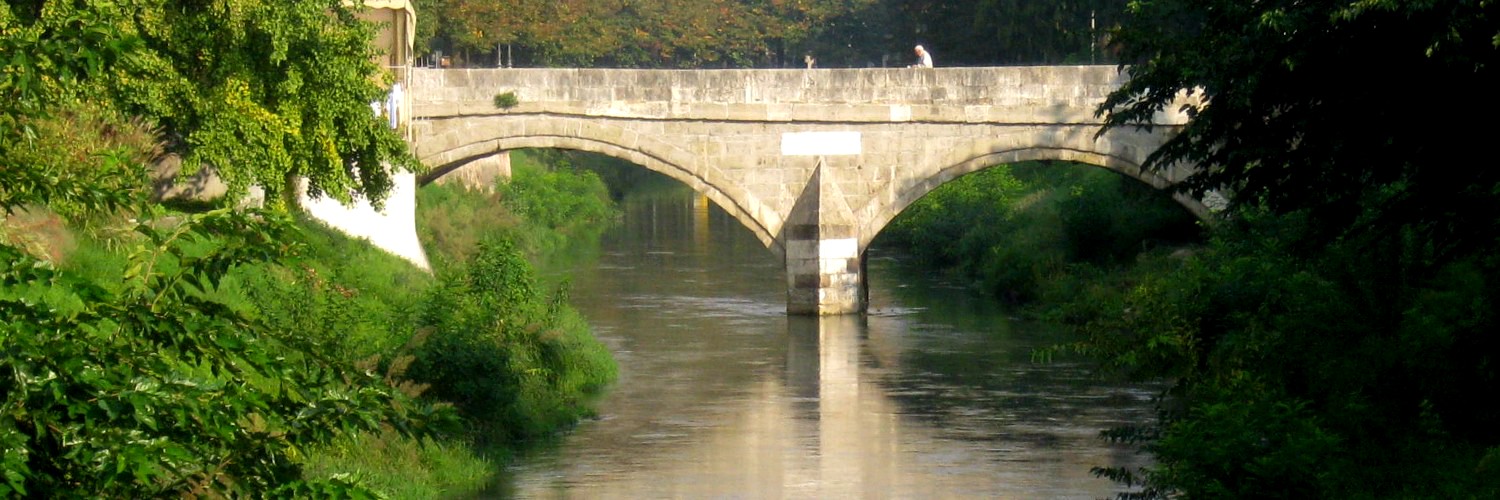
{"type": "Point", "coordinates": [721, 394]}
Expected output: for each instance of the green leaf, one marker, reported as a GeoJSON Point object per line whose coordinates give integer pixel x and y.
{"type": "Point", "coordinates": [15, 481]}
{"type": "Point", "coordinates": [229, 341]}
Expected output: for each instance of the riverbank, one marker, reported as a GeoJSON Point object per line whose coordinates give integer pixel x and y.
{"type": "Point", "coordinates": [316, 363]}
{"type": "Point", "coordinates": [513, 357]}
{"type": "Point", "coordinates": [1296, 357]}
{"type": "Point", "coordinates": [166, 350]}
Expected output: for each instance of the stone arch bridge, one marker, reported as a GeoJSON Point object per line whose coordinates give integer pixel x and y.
{"type": "Point", "coordinates": [814, 162]}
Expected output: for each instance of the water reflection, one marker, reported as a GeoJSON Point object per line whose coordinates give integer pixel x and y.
{"type": "Point", "coordinates": [722, 395]}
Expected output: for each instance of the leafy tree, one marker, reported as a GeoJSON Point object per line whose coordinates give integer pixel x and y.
{"type": "Point", "coordinates": [48, 60]}
{"type": "Point", "coordinates": [859, 35]}
{"type": "Point", "coordinates": [987, 32]}
{"type": "Point", "coordinates": [265, 92]}
{"type": "Point", "coordinates": [1331, 340]}
{"type": "Point", "coordinates": [1351, 373]}
{"type": "Point", "coordinates": [775, 33]}
{"type": "Point", "coordinates": [637, 33]}
{"type": "Point", "coordinates": [1055, 32]}
{"type": "Point", "coordinates": [1326, 106]}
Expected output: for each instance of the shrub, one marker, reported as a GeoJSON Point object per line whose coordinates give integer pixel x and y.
{"type": "Point", "coordinates": [506, 100]}
{"type": "Point", "coordinates": [83, 163]}
{"type": "Point", "coordinates": [556, 196]}
{"type": "Point", "coordinates": [512, 359]}
{"type": "Point", "coordinates": [451, 222]}
{"type": "Point", "coordinates": [1347, 370]}
{"type": "Point", "coordinates": [167, 383]}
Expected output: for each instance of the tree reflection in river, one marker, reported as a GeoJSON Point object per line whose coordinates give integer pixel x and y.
{"type": "Point", "coordinates": [722, 395]}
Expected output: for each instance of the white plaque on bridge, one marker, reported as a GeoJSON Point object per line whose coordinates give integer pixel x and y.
{"type": "Point", "coordinates": [820, 144]}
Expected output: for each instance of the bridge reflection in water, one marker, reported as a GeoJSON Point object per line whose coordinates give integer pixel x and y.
{"type": "Point", "coordinates": [723, 395]}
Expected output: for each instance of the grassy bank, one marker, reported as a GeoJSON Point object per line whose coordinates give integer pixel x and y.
{"type": "Point", "coordinates": [516, 362]}
{"type": "Point", "coordinates": [152, 351]}
{"type": "Point", "coordinates": [320, 364]}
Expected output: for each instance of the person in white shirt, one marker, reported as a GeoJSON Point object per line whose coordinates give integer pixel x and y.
{"type": "Point", "coordinates": [924, 60]}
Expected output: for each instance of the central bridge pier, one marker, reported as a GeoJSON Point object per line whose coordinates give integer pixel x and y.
{"type": "Point", "coordinates": [813, 162]}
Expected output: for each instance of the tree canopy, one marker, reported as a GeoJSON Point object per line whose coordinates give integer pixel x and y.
{"type": "Point", "coordinates": [1337, 335]}
{"type": "Point", "coordinates": [649, 33]}
{"type": "Point", "coordinates": [1327, 106]}
{"type": "Point", "coordinates": [767, 33]}
{"type": "Point", "coordinates": [264, 92]}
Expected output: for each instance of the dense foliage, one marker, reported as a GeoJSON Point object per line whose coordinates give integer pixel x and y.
{"type": "Point", "coordinates": [210, 354]}
{"type": "Point", "coordinates": [152, 373]}
{"type": "Point", "coordinates": [483, 335]}
{"type": "Point", "coordinates": [513, 357]}
{"type": "Point", "coordinates": [553, 193]}
{"type": "Point", "coordinates": [353, 301]}
{"type": "Point", "coordinates": [1021, 230]}
{"type": "Point", "coordinates": [989, 32]}
{"type": "Point", "coordinates": [670, 33]}
{"type": "Point", "coordinates": [1354, 372]}
{"type": "Point", "coordinates": [1301, 107]}
{"type": "Point", "coordinates": [225, 364]}
{"type": "Point", "coordinates": [168, 383]}
{"type": "Point", "coordinates": [518, 362]}
{"type": "Point", "coordinates": [147, 370]}
{"type": "Point", "coordinates": [762, 33]}
{"type": "Point", "coordinates": [264, 92]}
{"type": "Point", "coordinates": [1337, 338]}
{"type": "Point", "coordinates": [548, 202]}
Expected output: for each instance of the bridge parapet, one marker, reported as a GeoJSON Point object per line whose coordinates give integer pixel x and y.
{"type": "Point", "coordinates": [1009, 95]}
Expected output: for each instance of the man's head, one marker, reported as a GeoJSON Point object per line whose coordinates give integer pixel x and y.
{"type": "Point", "coordinates": [920, 50]}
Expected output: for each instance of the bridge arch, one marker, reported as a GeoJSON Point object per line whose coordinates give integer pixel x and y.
{"type": "Point", "coordinates": [884, 212]}
{"type": "Point", "coordinates": [644, 151]}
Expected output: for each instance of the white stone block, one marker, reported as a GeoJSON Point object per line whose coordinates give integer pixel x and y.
{"type": "Point", "coordinates": [844, 248]}
{"type": "Point", "coordinates": [833, 266]}
{"type": "Point", "coordinates": [821, 144]}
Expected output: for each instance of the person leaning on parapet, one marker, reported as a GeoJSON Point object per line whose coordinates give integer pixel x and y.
{"type": "Point", "coordinates": [924, 60]}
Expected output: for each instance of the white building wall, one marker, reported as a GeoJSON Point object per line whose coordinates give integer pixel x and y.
{"type": "Point", "coordinates": [393, 229]}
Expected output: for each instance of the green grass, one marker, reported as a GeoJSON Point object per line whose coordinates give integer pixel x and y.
{"type": "Point", "coordinates": [404, 468]}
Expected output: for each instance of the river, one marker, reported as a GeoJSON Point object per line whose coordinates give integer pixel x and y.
{"type": "Point", "coordinates": [933, 394]}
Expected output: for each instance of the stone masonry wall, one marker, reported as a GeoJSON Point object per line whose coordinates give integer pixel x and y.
{"type": "Point", "coordinates": [1029, 94]}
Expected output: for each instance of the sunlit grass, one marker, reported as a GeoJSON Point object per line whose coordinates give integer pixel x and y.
{"type": "Point", "coordinates": [406, 468]}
